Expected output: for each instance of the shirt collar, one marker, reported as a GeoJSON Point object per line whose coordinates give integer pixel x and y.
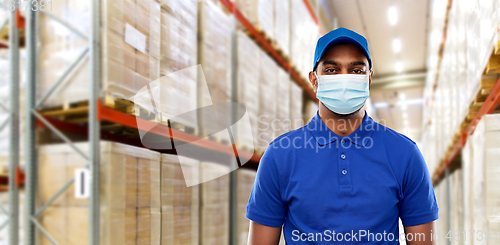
{"type": "Point", "coordinates": [324, 135]}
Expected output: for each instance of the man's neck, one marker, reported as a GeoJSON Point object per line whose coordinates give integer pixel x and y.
{"type": "Point", "coordinates": [341, 125]}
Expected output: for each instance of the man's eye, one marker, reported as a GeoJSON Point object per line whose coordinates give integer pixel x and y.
{"type": "Point", "coordinates": [357, 71]}
{"type": "Point", "coordinates": [330, 70]}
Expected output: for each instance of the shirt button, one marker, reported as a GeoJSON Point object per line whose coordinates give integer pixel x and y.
{"type": "Point", "coordinates": [342, 156]}
{"type": "Point", "coordinates": [344, 172]}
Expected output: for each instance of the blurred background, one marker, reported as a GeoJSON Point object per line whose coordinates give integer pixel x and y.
{"type": "Point", "coordinates": [71, 72]}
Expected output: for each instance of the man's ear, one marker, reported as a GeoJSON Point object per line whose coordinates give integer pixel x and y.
{"type": "Point", "coordinates": [314, 81]}
{"type": "Point", "coordinates": [371, 76]}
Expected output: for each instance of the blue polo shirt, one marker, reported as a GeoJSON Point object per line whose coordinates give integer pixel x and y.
{"type": "Point", "coordinates": [322, 187]}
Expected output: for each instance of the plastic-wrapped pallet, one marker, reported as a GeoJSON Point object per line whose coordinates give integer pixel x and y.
{"type": "Point", "coordinates": [214, 50]}
{"type": "Point", "coordinates": [304, 34]}
{"type": "Point", "coordinates": [268, 76]}
{"type": "Point", "coordinates": [180, 203]}
{"type": "Point", "coordinates": [310, 110]}
{"type": "Point", "coordinates": [296, 101]}
{"type": "Point", "coordinates": [282, 123]}
{"type": "Point", "coordinates": [244, 181]}
{"type": "Point", "coordinates": [260, 13]}
{"type": "Point", "coordinates": [282, 25]}
{"type": "Point", "coordinates": [478, 191]}
{"type": "Point", "coordinates": [130, 39]}
{"type": "Point", "coordinates": [492, 171]}
{"type": "Point", "coordinates": [456, 200]}
{"type": "Point", "coordinates": [214, 189]}
{"type": "Point", "coordinates": [467, 180]}
{"type": "Point", "coordinates": [441, 223]}
{"type": "Point", "coordinates": [247, 87]}
{"type": "Point", "coordinates": [130, 194]}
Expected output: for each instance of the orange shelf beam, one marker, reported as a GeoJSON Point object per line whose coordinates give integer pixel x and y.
{"type": "Point", "coordinates": [489, 105]}
{"type": "Point", "coordinates": [268, 47]}
{"type": "Point", "coordinates": [111, 115]}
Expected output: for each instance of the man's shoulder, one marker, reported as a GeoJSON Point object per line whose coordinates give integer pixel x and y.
{"type": "Point", "coordinates": [288, 137]}
{"type": "Point", "coordinates": [392, 137]}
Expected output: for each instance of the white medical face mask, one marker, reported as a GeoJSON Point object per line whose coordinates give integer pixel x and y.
{"type": "Point", "coordinates": [343, 93]}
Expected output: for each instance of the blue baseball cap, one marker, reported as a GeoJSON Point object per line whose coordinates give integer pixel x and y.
{"type": "Point", "coordinates": [340, 35]}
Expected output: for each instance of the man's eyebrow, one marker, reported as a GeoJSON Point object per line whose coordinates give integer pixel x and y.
{"type": "Point", "coordinates": [330, 62]}
{"type": "Point", "coordinates": [357, 63]}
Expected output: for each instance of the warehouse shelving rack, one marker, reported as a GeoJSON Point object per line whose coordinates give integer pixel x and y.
{"type": "Point", "coordinates": [97, 112]}
{"type": "Point", "coordinates": [445, 166]}
{"type": "Point", "coordinates": [15, 177]}
{"type": "Point", "coordinates": [488, 106]}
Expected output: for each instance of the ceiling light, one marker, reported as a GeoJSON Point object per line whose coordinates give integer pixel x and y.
{"type": "Point", "coordinates": [393, 15]}
{"type": "Point", "coordinates": [402, 96]}
{"type": "Point", "coordinates": [406, 123]}
{"type": "Point", "coordinates": [405, 115]}
{"type": "Point", "coordinates": [399, 67]}
{"type": "Point", "coordinates": [396, 45]}
{"type": "Point", "coordinates": [381, 105]}
{"type": "Point", "coordinates": [403, 106]}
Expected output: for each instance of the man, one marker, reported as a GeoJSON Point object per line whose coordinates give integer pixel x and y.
{"type": "Point", "coordinates": [343, 177]}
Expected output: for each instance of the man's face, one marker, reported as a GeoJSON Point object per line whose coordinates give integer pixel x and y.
{"type": "Point", "coordinates": [341, 59]}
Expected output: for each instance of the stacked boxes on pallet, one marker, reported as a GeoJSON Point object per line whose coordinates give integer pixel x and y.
{"type": "Point", "coordinates": [467, 180]}
{"type": "Point", "coordinates": [282, 25]}
{"type": "Point", "coordinates": [214, 211]}
{"type": "Point", "coordinates": [296, 101]}
{"type": "Point", "coordinates": [491, 182]}
{"type": "Point", "coordinates": [214, 50]}
{"type": "Point", "coordinates": [178, 84]}
{"type": "Point", "coordinates": [282, 123]}
{"type": "Point", "coordinates": [247, 87]}
{"type": "Point", "coordinates": [481, 177]}
{"type": "Point", "coordinates": [303, 36]}
{"type": "Point", "coordinates": [179, 202]}
{"type": "Point", "coordinates": [268, 75]}
{"type": "Point", "coordinates": [130, 45]}
{"type": "Point", "coordinates": [244, 181]}
{"type": "Point", "coordinates": [260, 13]}
{"type": "Point", "coordinates": [456, 223]}
{"type": "Point", "coordinates": [130, 194]}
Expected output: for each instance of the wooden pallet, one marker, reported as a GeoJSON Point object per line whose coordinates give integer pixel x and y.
{"type": "Point", "coordinates": [280, 51]}
{"type": "Point", "coordinates": [77, 112]}
{"type": "Point", "coordinates": [183, 128]}
{"type": "Point", "coordinates": [245, 148]}
{"type": "Point", "coordinates": [488, 80]}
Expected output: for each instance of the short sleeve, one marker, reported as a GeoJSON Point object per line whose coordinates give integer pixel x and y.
{"type": "Point", "coordinates": [418, 205]}
{"type": "Point", "coordinates": [265, 205]}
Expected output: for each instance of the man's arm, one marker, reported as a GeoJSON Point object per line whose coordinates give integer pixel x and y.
{"type": "Point", "coordinates": [421, 234]}
{"type": "Point", "coordinates": [263, 235]}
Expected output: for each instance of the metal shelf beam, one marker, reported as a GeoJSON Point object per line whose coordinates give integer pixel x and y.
{"type": "Point", "coordinates": [13, 128]}
{"type": "Point", "coordinates": [30, 149]}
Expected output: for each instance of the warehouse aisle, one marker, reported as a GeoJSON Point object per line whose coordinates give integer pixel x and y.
{"type": "Point", "coordinates": [146, 121]}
